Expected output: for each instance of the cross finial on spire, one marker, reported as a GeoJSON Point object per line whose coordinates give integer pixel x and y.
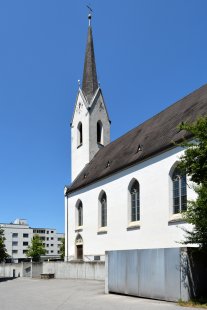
{"type": "Point", "coordinates": [89, 15]}
{"type": "Point", "coordinates": [89, 19]}
{"type": "Point", "coordinates": [89, 82]}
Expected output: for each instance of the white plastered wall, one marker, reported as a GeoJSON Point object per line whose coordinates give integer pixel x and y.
{"type": "Point", "coordinates": [88, 116]}
{"type": "Point", "coordinates": [79, 154]}
{"type": "Point", "coordinates": [155, 209]}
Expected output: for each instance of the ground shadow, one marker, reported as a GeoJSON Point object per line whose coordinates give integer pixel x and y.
{"type": "Point", "coordinates": [3, 279]}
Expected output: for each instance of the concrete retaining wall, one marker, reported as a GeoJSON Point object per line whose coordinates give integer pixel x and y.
{"type": "Point", "coordinates": [37, 269]}
{"type": "Point", "coordinates": [76, 270]}
{"type": "Point", "coordinates": [62, 270]}
{"type": "Point", "coordinates": [11, 270]}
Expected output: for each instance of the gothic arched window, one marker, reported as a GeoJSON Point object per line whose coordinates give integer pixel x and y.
{"type": "Point", "coordinates": [135, 201]}
{"type": "Point", "coordinates": [99, 132]}
{"type": "Point", "coordinates": [80, 134]}
{"type": "Point", "coordinates": [79, 208]}
{"type": "Point", "coordinates": [103, 209]}
{"type": "Point", "coordinates": [179, 191]}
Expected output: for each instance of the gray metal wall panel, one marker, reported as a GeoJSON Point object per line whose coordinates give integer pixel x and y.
{"type": "Point", "coordinates": [132, 280]}
{"type": "Point", "coordinates": [121, 271]}
{"type": "Point", "coordinates": [172, 274]}
{"type": "Point", "coordinates": [145, 273]}
{"type": "Point", "coordinates": [112, 271]}
{"type": "Point", "coordinates": [152, 273]}
{"type": "Point", "coordinates": [157, 278]}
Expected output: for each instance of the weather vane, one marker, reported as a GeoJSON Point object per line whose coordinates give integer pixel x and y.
{"type": "Point", "coordinates": [90, 14]}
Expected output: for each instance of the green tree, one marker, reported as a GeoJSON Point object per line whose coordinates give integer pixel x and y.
{"type": "Point", "coordinates": [3, 251]}
{"type": "Point", "coordinates": [194, 164]}
{"type": "Point", "coordinates": [62, 248]}
{"type": "Point", "coordinates": [36, 249]}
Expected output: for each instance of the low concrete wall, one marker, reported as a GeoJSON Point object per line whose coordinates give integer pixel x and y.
{"type": "Point", "coordinates": [62, 270]}
{"type": "Point", "coordinates": [37, 269]}
{"type": "Point", "coordinates": [11, 270]}
{"type": "Point", "coordinates": [76, 270]}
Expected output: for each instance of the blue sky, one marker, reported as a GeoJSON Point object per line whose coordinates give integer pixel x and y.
{"type": "Point", "coordinates": [149, 54]}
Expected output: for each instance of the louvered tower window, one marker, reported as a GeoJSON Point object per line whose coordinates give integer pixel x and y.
{"type": "Point", "coordinates": [80, 134]}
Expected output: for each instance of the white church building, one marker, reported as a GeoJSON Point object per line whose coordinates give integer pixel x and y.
{"type": "Point", "coordinates": [128, 193]}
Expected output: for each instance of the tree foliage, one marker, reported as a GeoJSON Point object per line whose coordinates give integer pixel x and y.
{"type": "Point", "coordinates": [3, 251]}
{"type": "Point", "coordinates": [194, 164]}
{"type": "Point", "coordinates": [62, 248]}
{"type": "Point", "coordinates": [36, 249]}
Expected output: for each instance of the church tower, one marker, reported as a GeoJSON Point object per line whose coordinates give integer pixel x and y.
{"type": "Point", "coordinates": [90, 126]}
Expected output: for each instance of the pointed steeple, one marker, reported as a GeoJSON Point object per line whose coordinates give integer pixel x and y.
{"type": "Point", "coordinates": [90, 82]}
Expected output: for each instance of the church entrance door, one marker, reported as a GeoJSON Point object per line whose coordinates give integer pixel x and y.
{"type": "Point", "coordinates": [79, 251]}
{"type": "Point", "coordinates": [79, 247]}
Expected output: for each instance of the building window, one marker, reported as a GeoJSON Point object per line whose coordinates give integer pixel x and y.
{"type": "Point", "coordinates": [25, 235]}
{"type": "Point", "coordinates": [38, 231]}
{"type": "Point", "coordinates": [51, 251]}
{"type": "Point", "coordinates": [52, 231]}
{"type": "Point", "coordinates": [14, 235]}
{"type": "Point", "coordinates": [134, 201]}
{"type": "Point", "coordinates": [14, 243]}
{"type": "Point", "coordinates": [179, 192]}
{"type": "Point", "coordinates": [47, 245]}
{"type": "Point", "coordinates": [52, 244]}
{"type": "Point", "coordinates": [24, 251]}
{"type": "Point", "coordinates": [79, 213]}
{"type": "Point", "coordinates": [25, 243]}
{"type": "Point", "coordinates": [51, 238]}
{"type": "Point", "coordinates": [80, 134]}
{"type": "Point", "coordinates": [99, 132]}
{"type": "Point", "coordinates": [103, 209]}
{"type": "Point", "coordinates": [14, 251]}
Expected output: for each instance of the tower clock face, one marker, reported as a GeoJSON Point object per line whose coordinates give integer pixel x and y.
{"type": "Point", "coordinates": [79, 107]}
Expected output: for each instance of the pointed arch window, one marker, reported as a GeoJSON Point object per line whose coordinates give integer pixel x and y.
{"type": "Point", "coordinates": [99, 132]}
{"type": "Point", "coordinates": [179, 191]}
{"type": "Point", "coordinates": [80, 134]}
{"type": "Point", "coordinates": [102, 210]}
{"type": "Point", "coordinates": [135, 201]}
{"type": "Point", "coordinates": [103, 201]}
{"type": "Point", "coordinates": [79, 208]}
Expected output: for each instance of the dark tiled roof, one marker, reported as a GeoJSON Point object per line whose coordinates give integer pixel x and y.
{"type": "Point", "coordinates": [152, 137]}
{"type": "Point", "coordinates": [90, 82]}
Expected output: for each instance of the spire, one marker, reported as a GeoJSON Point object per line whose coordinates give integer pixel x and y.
{"type": "Point", "coordinates": [89, 83]}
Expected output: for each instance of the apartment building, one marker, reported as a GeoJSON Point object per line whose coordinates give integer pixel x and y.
{"type": "Point", "coordinates": [19, 234]}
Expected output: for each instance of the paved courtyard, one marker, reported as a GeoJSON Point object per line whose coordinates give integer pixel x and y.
{"type": "Point", "coordinates": [36, 294]}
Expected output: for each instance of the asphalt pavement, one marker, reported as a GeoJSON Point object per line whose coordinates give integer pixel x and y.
{"type": "Point", "coordinates": [59, 294]}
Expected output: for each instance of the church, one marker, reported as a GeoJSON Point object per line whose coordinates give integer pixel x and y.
{"type": "Point", "coordinates": [128, 193]}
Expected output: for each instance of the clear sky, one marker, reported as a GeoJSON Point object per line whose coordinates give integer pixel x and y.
{"type": "Point", "coordinates": [149, 54]}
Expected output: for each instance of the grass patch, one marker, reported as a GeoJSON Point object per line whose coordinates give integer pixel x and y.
{"type": "Point", "coordinates": [194, 303]}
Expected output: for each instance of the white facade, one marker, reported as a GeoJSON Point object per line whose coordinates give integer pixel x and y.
{"type": "Point", "coordinates": [158, 226]}
{"type": "Point", "coordinates": [84, 144]}
{"type": "Point", "coordinates": [133, 208]}
{"type": "Point", "coordinates": [19, 235]}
